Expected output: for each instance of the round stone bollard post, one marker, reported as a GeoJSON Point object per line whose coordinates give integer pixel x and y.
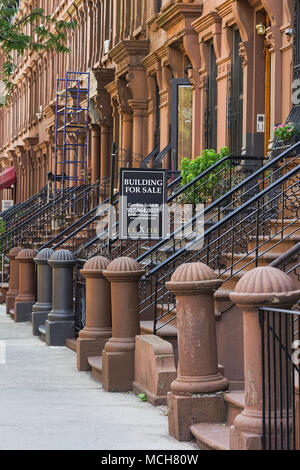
{"type": "Point", "coordinates": [27, 286]}
{"type": "Point", "coordinates": [118, 355]}
{"type": "Point", "coordinates": [43, 305]}
{"type": "Point", "coordinates": [13, 280]}
{"type": "Point", "coordinates": [196, 393]}
{"type": "Point", "coordinates": [60, 322]}
{"type": "Point", "coordinates": [261, 287]}
{"type": "Point", "coordinates": [98, 328]}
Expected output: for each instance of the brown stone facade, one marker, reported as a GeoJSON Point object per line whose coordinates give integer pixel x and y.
{"type": "Point", "coordinates": [136, 50]}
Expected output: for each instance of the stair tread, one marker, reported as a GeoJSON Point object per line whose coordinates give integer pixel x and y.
{"type": "Point", "coordinates": [95, 362]}
{"type": "Point", "coordinates": [214, 436]}
{"type": "Point", "coordinates": [236, 398]}
{"type": "Point", "coordinates": [167, 330]}
{"type": "Point", "coordinates": [42, 329]}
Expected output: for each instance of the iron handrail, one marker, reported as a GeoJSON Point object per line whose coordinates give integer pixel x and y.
{"type": "Point", "coordinates": [74, 224]}
{"type": "Point", "coordinates": [83, 225]}
{"type": "Point", "coordinates": [224, 197]}
{"type": "Point", "coordinates": [49, 210]}
{"type": "Point", "coordinates": [282, 259]}
{"type": "Point", "coordinates": [70, 192]}
{"type": "Point", "coordinates": [218, 224]}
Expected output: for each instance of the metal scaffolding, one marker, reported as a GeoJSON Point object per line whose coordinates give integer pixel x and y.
{"type": "Point", "coordinates": [71, 130]}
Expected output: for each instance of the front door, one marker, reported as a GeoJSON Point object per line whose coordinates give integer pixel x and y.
{"type": "Point", "coordinates": [182, 121]}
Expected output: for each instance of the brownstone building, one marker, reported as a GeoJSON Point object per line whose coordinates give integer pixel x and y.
{"type": "Point", "coordinates": [170, 76]}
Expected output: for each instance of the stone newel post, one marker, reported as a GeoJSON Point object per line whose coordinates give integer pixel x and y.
{"type": "Point", "coordinates": [98, 329]}
{"type": "Point", "coordinates": [194, 285]}
{"type": "Point", "coordinates": [261, 287]}
{"type": "Point", "coordinates": [26, 297]}
{"type": "Point", "coordinates": [60, 322]}
{"type": "Point", "coordinates": [43, 305]}
{"type": "Point", "coordinates": [13, 279]}
{"type": "Point", "coordinates": [118, 355]}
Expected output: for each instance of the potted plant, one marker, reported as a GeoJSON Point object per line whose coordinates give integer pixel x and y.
{"type": "Point", "coordinates": [286, 135]}
{"type": "Point", "coordinates": [286, 132]}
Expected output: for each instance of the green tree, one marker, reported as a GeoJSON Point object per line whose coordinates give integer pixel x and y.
{"type": "Point", "coordinates": [46, 32]}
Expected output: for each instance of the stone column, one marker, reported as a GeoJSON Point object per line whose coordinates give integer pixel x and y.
{"type": "Point", "coordinates": [98, 329]}
{"type": "Point", "coordinates": [194, 285]}
{"type": "Point", "coordinates": [13, 279]}
{"type": "Point", "coordinates": [95, 153]}
{"type": "Point", "coordinates": [105, 151]}
{"type": "Point", "coordinates": [126, 142]}
{"type": "Point", "coordinates": [139, 135]}
{"type": "Point", "coordinates": [118, 355]}
{"type": "Point", "coordinates": [26, 297]}
{"type": "Point", "coordinates": [43, 305]}
{"type": "Point", "coordinates": [261, 287]}
{"type": "Point", "coordinates": [60, 322]}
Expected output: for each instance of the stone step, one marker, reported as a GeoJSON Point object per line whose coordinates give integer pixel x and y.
{"type": "Point", "coordinates": [287, 225]}
{"type": "Point", "coordinates": [276, 244]}
{"type": "Point", "coordinates": [95, 362]}
{"type": "Point", "coordinates": [242, 261]}
{"type": "Point", "coordinates": [42, 332]}
{"type": "Point", "coordinates": [235, 404]}
{"type": "Point", "coordinates": [12, 313]}
{"type": "Point", "coordinates": [71, 343]}
{"type": "Point", "coordinates": [168, 311]}
{"type": "Point", "coordinates": [211, 436]}
{"type": "Point", "coordinates": [164, 331]}
{"type": "Point", "coordinates": [230, 281]}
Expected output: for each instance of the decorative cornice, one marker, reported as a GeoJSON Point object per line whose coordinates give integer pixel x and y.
{"type": "Point", "coordinates": [177, 13]}
{"type": "Point", "coordinates": [225, 9]}
{"type": "Point", "coordinates": [205, 22]}
{"type": "Point", "coordinates": [30, 142]}
{"type": "Point", "coordinates": [151, 61]}
{"type": "Point", "coordinates": [125, 50]}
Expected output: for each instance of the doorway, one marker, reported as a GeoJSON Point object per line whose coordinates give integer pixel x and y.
{"type": "Point", "coordinates": [181, 122]}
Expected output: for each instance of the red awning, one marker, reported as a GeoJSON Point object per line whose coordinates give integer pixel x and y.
{"type": "Point", "coordinates": [7, 178]}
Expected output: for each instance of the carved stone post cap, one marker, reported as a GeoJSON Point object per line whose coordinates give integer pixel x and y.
{"type": "Point", "coordinates": [94, 267]}
{"type": "Point", "coordinates": [14, 252]}
{"type": "Point", "coordinates": [265, 286]}
{"type": "Point", "coordinates": [125, 269]}
{"type": "Point", "coordinates": [43, 256]}
{"type": "Point", "coordinates": [62, 258]}
{"type": "Point", "coordinates": [26, 256]}
{"type": "Point", "coordinates": [193, 278]}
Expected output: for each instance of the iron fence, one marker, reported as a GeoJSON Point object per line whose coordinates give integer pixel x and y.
{"type": "Point", "coordinates": [280, 342]}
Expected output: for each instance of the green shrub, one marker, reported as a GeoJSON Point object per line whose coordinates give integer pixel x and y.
{"type": "Point", "coordinates": [209, 186]}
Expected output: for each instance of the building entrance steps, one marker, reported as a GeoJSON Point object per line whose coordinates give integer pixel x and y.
{"type": "Point", "coordinates": [79, 414]}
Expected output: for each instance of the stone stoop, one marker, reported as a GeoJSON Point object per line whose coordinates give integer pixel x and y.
{"type": "Point", "coordinates": [235, 404]}
{"type": "Point", "coordinates": [168, 333]}
{"type": "Point", "coordinates": [211, 436]}
{"type": "Point", "coordinates": [42, 333]}
{"type": "Point", "coordinates": [215, 436]}
{"type": "Point", "coordinates": [96, 365]}
{"type": "Point", "coordinates": [71, 344]}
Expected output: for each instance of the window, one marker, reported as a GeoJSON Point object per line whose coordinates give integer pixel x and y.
{"type": "Point", "coordinates": [235, 111]}
{"type": "Point", "coordinates": [211, 118]}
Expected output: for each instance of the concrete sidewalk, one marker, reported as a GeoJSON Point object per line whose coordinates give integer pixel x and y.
{"type": "Point", "coordinates": [45, 403]}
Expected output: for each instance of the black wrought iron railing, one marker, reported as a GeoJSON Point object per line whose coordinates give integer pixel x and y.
{"type": "Point", "coordinates": [204, 189]}
{"type": "Point", "coordinates": [20, 212]}
{"type": "Point", "coordinates": [230, 235]}
{"type": "Point", "coordinates": [53, 216]}
{"type": "Point", "coordinates": [280, 343]}
{"type": "Point", "coordinates": [289, 262]}
{"type": "Point", "coordinates": [207, 187]}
